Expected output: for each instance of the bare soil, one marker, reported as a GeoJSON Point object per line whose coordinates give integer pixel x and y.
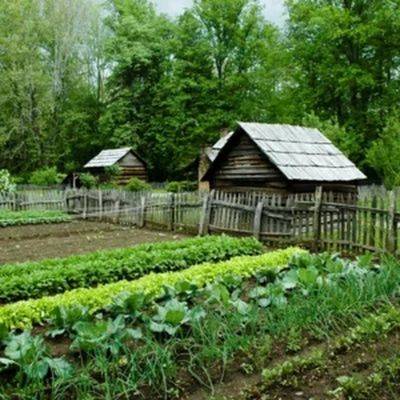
{"type": "Point", "coordinates": [37, 242]}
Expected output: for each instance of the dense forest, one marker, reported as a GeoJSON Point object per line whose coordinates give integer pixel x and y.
{"type": "Point", "coordinates": [77, 76]}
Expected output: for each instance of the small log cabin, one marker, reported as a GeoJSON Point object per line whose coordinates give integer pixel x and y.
{"type": "Point", "coordinates": [279, 159]}
{"type": "Point", "coordinates": [131, 165]}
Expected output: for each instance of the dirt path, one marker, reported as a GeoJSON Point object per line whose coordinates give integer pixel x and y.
{"type": "Point", "coordinates": [36, 242]}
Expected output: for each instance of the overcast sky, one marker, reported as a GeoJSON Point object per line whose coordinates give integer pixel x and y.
{"type": "Point", "coordinates": [274, 9]}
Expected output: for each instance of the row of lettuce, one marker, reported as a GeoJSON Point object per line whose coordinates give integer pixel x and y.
{"type": "Point", "coordinates": [37, 279]}
{"type": "Point", "coordinates": [32, 217]}
{"type": "Point", "coordinates": [27, 312]}
{"type": "Point", "coordinates": [139, 336]}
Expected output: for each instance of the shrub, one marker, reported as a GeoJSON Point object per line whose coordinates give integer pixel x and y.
{"type": "Point", "coordinates": [112, 171]}
{"type": "Point", "coordinates": [45, 176]}
{"type": "Point", "coordinates": [137, 185]}
{"type": "Point", "coordinates": [183, 186]}
{"type": "Point", "coordinates": [36, 279]}
{"type": "Point", "coordinates": [25, 313]}
{"type": "Point", "coordinates": [6, 182]}
{"type": "Point", "coordinates": [88, 180]}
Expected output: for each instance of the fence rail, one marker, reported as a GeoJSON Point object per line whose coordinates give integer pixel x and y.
{"type": "Point", "coordinates": [320, 220]}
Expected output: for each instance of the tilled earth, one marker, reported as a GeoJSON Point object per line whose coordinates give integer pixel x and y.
{"type": "Point", "coordinates": [36, 242]}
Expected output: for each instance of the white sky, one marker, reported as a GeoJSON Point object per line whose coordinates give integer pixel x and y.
{"type": "Point", "coordinates": [274, 9]}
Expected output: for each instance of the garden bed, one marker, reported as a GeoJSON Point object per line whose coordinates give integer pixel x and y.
{"type": "Point", "coordinates": [34, 217]}
{"type": "Point", "coordinates": [37, 242]}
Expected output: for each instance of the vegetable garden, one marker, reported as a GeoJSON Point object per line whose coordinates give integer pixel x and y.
{"type": "Point", "coordinates": [176, 319]}
{"type": "Point", "coordinates": [192, 318]}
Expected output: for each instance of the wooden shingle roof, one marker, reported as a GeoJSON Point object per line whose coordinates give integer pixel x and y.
{"type": "Point", "coordinates": [301, 154]}
{"type": "Point", "coordinates": [106, 158]}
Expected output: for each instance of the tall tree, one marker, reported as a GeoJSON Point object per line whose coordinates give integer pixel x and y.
{"type": "Point", "coordinates": [43, 48]}
{"type": "Point", "coordinates": [346, 59]}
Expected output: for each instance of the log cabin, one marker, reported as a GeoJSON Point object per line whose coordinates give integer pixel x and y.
{"type": "Point", "coordinates": [130, 164]}
{"type": "Point", "coordinates": [281, 159]}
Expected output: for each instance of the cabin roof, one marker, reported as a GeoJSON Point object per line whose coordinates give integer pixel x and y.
{"type": "Point", "coordinates": [212, 152]}
{"type": "Point", "coordinates": [107, 158]}
{"type": "Point", "coordinates": [301, 154]}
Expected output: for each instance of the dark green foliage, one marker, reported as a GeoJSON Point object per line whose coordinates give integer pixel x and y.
{"type": "Point", "coordinates": [168, 88]}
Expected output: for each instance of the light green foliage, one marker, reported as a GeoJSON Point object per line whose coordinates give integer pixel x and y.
{"type": "Point", "coordinates": [30, 355]}
{"type": "Point", "coordinates": [295, 365]}
{"type": "Point", "coordinates": [112, 171]}
{"type": "Point", "coordinates": [11, 218]}
{"type": "Point", "coordinates": [45, 176]}
{"type": "Point", "coordinates": [28, 312]}
{"type": "Point", "coordinates": [36, 279]}
{"type": "Point", "coordinates": [384, 154]}
{"type": "Point", "coordinates": [51, 82]}
{"type": "Point", "coordinates": [88, 180]}
{"type": "Point", "coordinates": [183, 186]}
{"type": "Point", "coordinates": [6, 182]}
{"type": "Point", "coordinates": [137, 185]}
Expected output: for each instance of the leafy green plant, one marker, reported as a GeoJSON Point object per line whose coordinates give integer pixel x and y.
{"type": "Point", "coordinates": [30, 280]}
{"type": "Point", "coordinates": [112, 171]}
{"type": "Point", "coordinates": [13, 218]}
{"type": "Point", "coordinates": [105, 336]}
{"type": "Point", "coordinates": [63, 319]}
{"type": "Point", "coordinates": [22, 314]}
{"type": "Point", "coordinates": [174, 314]}
{"type": "Point", "coordinates": [137, 185]}
{"type": "Point", "coordinates": [180, 186]}
{"type": "Point", "coordinates": [30, 355]}
{"type": "Point", "coordinates": [88, 180]}
{"type": "Point", "coordinates": [6, 182]}
{"type": "Point", "coordinates": [46, 176]}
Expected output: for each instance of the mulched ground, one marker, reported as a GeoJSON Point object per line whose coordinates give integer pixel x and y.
{"type": "Point", "coordinates": [36, 242]}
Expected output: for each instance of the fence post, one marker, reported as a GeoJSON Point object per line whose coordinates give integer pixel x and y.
{"type": "Point", "coordinates": [100, 193]}
{"type": "Point", "coordinates": [317, 218]}
{"type": "Point", "coordinates": [392, 224]}
{"type": "Point", "coordinates": [85, 204]}
{"type": "Point", "coordinates": [142, 212]}
{"type": "Point", "coordinates": [205, 214]}
{"type": "Point", "coordinates": [117, 211]}
{"type": "Point", "coordinates": [171, 220]}
{"type": "Point", "coordinates": [257, 220]}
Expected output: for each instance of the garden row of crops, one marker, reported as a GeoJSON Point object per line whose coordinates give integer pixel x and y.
{"type": "Point", "coordinates": [32, 217]}
{"type": "Point", "coordinates": [48, 277]}
{"type": "Point", "coordinates": [188, 314]}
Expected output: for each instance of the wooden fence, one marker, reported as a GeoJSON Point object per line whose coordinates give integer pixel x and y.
{"type": "Point", "coordinates": [320, 220]}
